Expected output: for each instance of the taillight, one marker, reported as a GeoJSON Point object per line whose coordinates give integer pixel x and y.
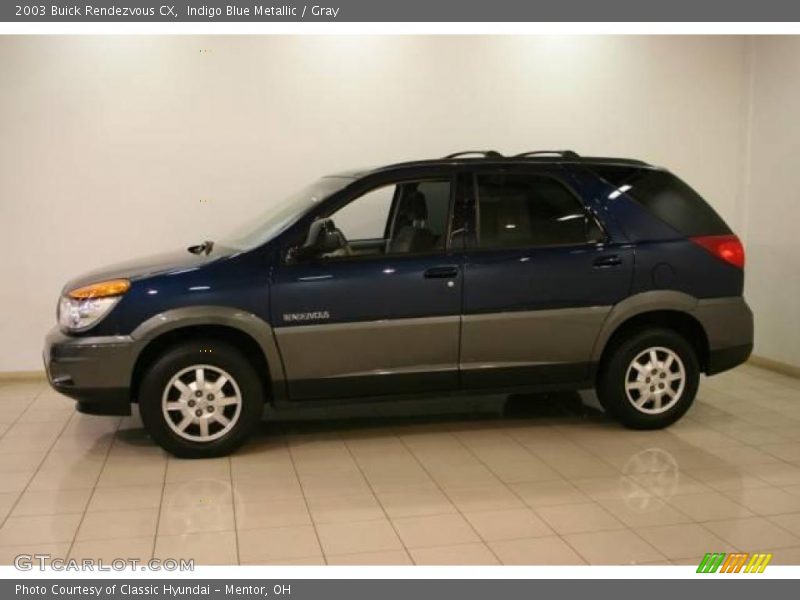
{"type": "Point", "coordinates": [725, 247]}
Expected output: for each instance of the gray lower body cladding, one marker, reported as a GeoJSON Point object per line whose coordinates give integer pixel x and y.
{"type": "Point", "coordinates": [529, 347]}
{"type": "Point", "coordinates": [371, 357]}
{"type": "Point", "coordinates": [95, 371]}
{"type": "Point", "coordinates": [728, 323]}
{"type": "Point", "coordinates": [545, 348]}
{"type": "Point", "coordinates": [498, 350]}
{"type": "Point", "coordinates": [407, 356]}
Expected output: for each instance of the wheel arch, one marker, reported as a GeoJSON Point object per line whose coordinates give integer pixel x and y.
{"type": "Point", "coordinates": [246, 331]}
{"type": "Point", "coordinates": [667, 309]}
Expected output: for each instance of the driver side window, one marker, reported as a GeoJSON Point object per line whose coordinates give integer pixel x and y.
{"type": "Point", "coordinates": [404, 218]}
{"type": "Point", "coordinates": [365, 217]}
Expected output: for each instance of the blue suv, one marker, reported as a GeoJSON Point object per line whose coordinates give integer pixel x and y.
{"type": "Point", "coordinates": [470, 274]}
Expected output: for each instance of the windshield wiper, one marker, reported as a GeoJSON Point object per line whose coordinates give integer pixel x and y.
{"type": "Point", "coordinates": [204, 248]}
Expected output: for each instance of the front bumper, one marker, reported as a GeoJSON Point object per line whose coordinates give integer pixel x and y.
{"type": "Point", "coordinates": [95, 371]}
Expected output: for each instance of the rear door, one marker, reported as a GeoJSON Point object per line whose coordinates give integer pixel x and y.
{"type": "Point", "coordinates": [539, 279]}
{"type": "Point", "coordinates": [383, 318]}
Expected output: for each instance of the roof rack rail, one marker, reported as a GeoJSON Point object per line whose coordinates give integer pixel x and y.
{"type": "Point", "coordinates": [561, 153]}
{"type": "Point", "coordinates": [484, 153]}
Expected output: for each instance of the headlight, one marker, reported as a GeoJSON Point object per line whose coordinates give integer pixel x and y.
{"type": "Point", "coordinates": [82, 308]}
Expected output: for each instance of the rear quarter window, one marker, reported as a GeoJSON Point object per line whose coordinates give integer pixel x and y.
{"type": "Point", "coordinates": [667, 197]}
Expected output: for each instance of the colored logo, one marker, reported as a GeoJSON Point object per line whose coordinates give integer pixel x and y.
{"type": "Point", "coordinates": [740, 562]}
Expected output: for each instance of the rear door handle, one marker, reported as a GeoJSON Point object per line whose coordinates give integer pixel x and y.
{"type": "Point", "coordinates": [607, 261]}
{"type": "Point", "coordinates": [446, 272]}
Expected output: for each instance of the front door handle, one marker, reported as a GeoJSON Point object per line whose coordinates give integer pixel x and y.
{"type": "Point", "coordinates": [607, 261]}
{"type": "Point", "coordinates": [446, 272]}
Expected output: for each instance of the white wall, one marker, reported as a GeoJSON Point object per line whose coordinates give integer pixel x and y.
{"type": "Point", "coordinates": [772, 231]}
{"type": "Point", "coordinates": [112, 147]}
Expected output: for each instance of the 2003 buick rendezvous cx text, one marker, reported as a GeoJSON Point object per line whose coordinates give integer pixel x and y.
{"type": "Point", "coordinates": [471, 273]}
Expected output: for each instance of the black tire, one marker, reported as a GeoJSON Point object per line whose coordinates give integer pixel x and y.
{"type": "Point", "coordinates": [614, 373]}
{"type": "Point", "coordinates": [216, 355]}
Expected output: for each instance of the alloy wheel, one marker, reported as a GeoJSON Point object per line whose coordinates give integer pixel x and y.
{"type": "Point", "coordinates": [201, 403]}
{"type": "Point", "coordinates": [655, 380]}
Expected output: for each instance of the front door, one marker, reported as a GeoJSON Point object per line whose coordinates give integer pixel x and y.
{"type": "Point", "coordinates": [539, 280]}
{"type": "Point", "coordinates": [382, 314]}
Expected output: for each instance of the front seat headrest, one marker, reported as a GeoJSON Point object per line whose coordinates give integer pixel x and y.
{"type": "Point", "coordinates": [416, 207]}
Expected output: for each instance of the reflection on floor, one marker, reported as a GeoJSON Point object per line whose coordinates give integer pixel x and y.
{"type": "Point", "coordinates": [529, 480]}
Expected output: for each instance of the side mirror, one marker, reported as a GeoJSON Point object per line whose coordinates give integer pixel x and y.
{"type": "Point", "coordinates": [323, 238]}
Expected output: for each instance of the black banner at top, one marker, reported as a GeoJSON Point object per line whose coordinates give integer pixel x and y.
{"type": "Point", "coordinates": [399, 11]}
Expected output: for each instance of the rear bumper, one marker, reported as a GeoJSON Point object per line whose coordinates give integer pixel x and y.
{"type": "Point", "coordinates": [95, 371]}
{"type": "Point", "coordinates": [727, 358]}
{"type": "Point", "coordinates": [728, 323]}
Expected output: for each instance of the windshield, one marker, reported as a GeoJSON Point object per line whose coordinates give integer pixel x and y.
{"type": "Point", "coordinates": [279, 216]}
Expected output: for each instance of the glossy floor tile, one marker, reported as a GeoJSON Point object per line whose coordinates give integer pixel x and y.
{"type": "Point", "coordinates": [528, 480]}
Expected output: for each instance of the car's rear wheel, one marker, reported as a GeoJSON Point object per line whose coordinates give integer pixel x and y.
{"type": "Point", "coordinates": [649, 379]}
{"type": "Point", "coordinates": [201, 399]}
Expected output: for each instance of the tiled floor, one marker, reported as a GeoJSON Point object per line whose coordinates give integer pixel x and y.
{"type": "Point", "coordinates": [523, 481]}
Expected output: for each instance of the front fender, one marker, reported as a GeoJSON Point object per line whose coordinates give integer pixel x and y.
{"type": "Point", "coordinates": [224, 316]}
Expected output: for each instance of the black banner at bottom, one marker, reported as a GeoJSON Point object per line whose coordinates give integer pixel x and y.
{"type": "Point", "coordinates": [734, 588]}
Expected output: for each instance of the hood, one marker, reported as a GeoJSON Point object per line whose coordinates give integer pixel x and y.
{"type": "Point", "coordinates": [158, 264]}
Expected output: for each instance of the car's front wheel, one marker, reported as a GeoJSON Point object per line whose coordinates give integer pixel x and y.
{"type": "Point", "coordinates": [201, 399]}
{"type": "Point", "coordinates": [649, 379]}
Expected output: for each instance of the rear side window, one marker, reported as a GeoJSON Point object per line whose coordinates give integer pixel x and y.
{"type": "Point", "coordinates": [523, 210]}
{"type": "Point", "coordinates": [668, 198]}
